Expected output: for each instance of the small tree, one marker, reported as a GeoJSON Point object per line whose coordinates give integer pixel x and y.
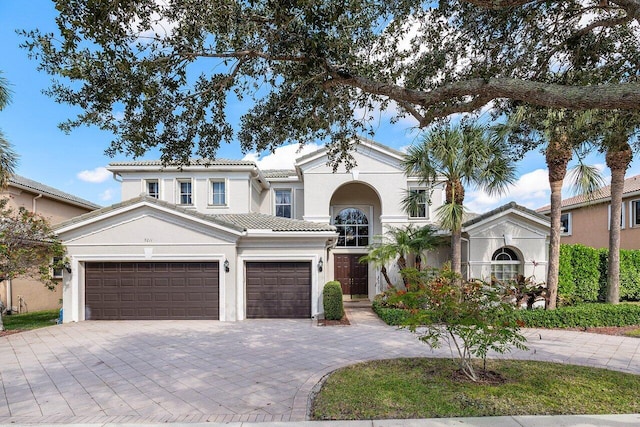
{"type": "Point", "coordinates": [473, 317]}
{"type": "Point", "coordinates": [397, 243]}
{"type": "Point", "coordinates": [28, 247]}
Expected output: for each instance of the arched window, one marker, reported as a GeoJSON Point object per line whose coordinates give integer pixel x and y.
{"type": "Point", "coordinates": [353, 227]}
{"type": "Point", "coordinates": [505, 264]}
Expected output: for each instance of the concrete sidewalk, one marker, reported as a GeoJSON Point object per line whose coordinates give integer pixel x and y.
{"type": "Point", "coordinates": [255, 371]}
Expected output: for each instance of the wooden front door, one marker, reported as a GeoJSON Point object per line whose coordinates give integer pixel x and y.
{"type": "Point", "coordinates": [352, 275]}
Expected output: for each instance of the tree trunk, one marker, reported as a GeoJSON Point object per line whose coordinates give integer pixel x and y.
{"type": "Point", "coordinates": [383, 270]}
{"type": "Point", "coordinates": [455, 195]}
{"type": "Point", "coordinates": [557, 156]}
{"type": "Point", "coordinates": [618, 161]}
{"type": "Point", "coordinates": [456, 251]}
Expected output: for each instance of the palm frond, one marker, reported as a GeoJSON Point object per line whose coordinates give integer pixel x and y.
{"type": "Point", "coordinates": [450, 216]}
{"type": "Point", "coordinates": [585, 180]}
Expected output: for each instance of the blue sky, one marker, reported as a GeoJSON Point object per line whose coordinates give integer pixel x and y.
{"type": "Point", "coordinates": [75, 163]}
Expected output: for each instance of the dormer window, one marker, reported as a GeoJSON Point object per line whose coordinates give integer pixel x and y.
{"type": "Point", "coordinates": [184, 192]}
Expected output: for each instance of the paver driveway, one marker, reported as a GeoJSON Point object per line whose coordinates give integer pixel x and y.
{"type": "Point", "coordinates": [196, 371]}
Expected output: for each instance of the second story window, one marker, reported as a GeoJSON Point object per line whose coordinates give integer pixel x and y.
{"type": "Point", "coordinates": [153, 189]}
{"type": "Point", "coordinates": [184, 192]}
{"type": "Point", "coordinates": [622, 210]}
{"type": "Point", "coordinates": [283, 203]}
{"type": "Point", "coordinates": [565, 223]}
{"type": "Point", "coordinates": [635, 213]}
{"type": "Point", "coordinates": [353, 227]}
{"type": "Point", "coordinates": [421, 208]}
{"type": "Point", "coordinates": [218, 193]}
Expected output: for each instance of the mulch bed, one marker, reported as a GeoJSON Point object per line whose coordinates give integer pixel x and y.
{"type": "Point", "coordinates": [606, 330]}
{"type": "Point", "coordinates": [342, 322]}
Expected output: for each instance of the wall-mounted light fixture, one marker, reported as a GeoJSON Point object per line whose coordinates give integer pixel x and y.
{"type": "Point", "coordinates": [67, 267]}
{"type": "Point", "coordinates": [226, 265]}
{"type": "Point", "coordinates": [320, 264]}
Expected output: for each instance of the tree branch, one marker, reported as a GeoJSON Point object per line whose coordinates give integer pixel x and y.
{"type": "Point", "coordinates": [631, 6]}
{"type": "Point", "coordinates": [606, 97]}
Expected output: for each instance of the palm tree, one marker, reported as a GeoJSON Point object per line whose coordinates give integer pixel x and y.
{"type": "Point", "coordinates": [463, 156]}
{"type": "Point", "coordinates": [398, 243]}
{"type": "Point", "coordinates": [617, 129]}
{"type": "Point", "coordinates": [8, 157]}
{"type": "Point", "coordinates": [565, 133]}
{"type": "Point", "coordinates": [618, 158]}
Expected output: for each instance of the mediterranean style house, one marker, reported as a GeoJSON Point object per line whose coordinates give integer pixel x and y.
{"type": "Point", "coordinates": [25, 294]}
{"type": "Point", "coordinates": [225, 240]}
{"type": "Point", "coordinates": [586, 220]}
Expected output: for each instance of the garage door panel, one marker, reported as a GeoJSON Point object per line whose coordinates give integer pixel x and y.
{"type": "Point", "coordinates": [278, 289]}
{"type": "Point", "coordinates": [147, 291]}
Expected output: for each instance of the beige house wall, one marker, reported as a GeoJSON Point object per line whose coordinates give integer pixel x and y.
{"type": "Point", "coordinates": [590, 226]}
{"type": "Point", "coordinates": [29, 294]}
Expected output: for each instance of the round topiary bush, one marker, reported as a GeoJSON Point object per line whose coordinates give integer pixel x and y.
{"type": "Point", "coordinates": [332, 300]}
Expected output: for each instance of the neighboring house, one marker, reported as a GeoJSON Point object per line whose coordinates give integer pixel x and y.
{"type": "Point", "coordinates": [586, 219]}
{"type": "Point", "coordinates": [26, 294]}
{"type": "Point", "coordinates": [224, 240]}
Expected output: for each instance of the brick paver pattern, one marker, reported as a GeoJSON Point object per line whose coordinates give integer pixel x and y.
{"type": "Point", "coordinates": [209, 371]}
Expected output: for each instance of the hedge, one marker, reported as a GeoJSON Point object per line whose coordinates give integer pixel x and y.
{"type": "Point", "coordinates": [582, 316]}
{"type": "Point", "coordinates": [583, 274]}
{"type": "Point", "coordinates": [332, 301]}
{"type": "Point", "coordinates": [391, 316]}
{"type": "Point", "coordinates": [579, 316]}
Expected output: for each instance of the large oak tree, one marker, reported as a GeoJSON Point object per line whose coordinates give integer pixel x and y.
{"type": "Point", "coordinates": [165, 73]}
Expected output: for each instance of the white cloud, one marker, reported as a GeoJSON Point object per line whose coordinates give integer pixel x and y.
{"type": "Point", "coordinates": [530, 190]}
{"type": "Point", "coordinates": [283, 158]}
{"type": "Point", "coordinates": [106, 195]}
{"type": "Point", "coordinates": [97, 175]}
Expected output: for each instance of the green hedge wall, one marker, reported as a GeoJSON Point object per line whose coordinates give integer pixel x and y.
{"type": "Point", "coordinates": [583, 274]}
{"type": "Point", "coordinates": [582, 316]}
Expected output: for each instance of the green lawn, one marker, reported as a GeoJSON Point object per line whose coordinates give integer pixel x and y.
{"type": "Point", "coordinates": [35, 320]}
{"type": "Point", "coordinates": [424, 388]}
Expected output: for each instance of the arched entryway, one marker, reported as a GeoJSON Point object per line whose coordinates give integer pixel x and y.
{"type": "Point", "coordinates": [355, 211]}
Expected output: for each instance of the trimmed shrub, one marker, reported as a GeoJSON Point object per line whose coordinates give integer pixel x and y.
{"type": "Point", "coordinates": [332, 300]}
{"type": "Point", "coordinates": [390, 316]}
{"type": "Point", "coordinates": [581, 316]}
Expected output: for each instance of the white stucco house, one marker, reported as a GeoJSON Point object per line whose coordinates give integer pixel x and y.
{"type": "Point", "coordinates": [225, 240]}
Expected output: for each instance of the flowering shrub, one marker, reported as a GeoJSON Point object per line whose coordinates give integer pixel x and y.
{"type": "Point", "coordinates": [473, 317]}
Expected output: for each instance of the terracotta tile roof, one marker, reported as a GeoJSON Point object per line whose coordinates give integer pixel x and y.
{"type": "Point", "coordinates": [192, 162]}
{"type": "Point", "coordinates": [20, 181]}
{"type": "Point", "coordinates": [143, 198]}
{"type": "Point", "coordinates": [237, 222]}
{"type": "Point", "coordinates": [279, 173]}
{"type": "Point", "coordinates": [631, 185]}
{"type": "Point", "coordinates": [269, 222]}
{"type": "Point", "coordinates": [504, 208]}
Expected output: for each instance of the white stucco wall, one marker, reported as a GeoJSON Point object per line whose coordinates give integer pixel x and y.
{"type": "Point", "coordinates": [238, 190]}
{"type": "Point", "coordinates": [529, 239]}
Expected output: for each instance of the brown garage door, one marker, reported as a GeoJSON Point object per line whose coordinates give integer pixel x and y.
{"type": "Point", "coordinates": [278, 290]}
{"type": "Point", "coordinates": [151, 290]}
